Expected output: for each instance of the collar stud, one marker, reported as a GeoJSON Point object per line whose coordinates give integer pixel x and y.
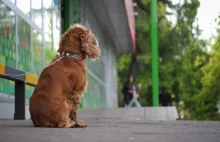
{"type": "Point", "coordinates": [71, 55]}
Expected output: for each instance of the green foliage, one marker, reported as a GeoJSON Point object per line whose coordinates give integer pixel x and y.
{"type": "Point", "coordinates": [210, 93]}
{"type": "Point", "coordinates": [123, 69]}
{"type": "Point", "coordinates": [190, 82]}
{"type": "Point", "coordinates": [50, 54]}
{"type": "Point", "coordinates": [188, 70]}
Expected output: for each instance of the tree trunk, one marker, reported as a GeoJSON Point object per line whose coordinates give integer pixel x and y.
{"type": "Point", "coordinates": [133, 64]}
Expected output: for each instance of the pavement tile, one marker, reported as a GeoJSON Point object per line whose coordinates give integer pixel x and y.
{"type": "Point", "coordinates": [90, 113]}
{"type": "Point", "coordinates": [133, 113]}
{"type": "Point", "coordinates": [112, 113]}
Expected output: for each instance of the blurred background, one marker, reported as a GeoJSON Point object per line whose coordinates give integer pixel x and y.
{"type": "Point", "coordinates": [188, 49]}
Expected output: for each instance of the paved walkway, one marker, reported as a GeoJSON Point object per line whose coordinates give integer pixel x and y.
{"type": "Point", "coordinates": [143, 113]}
{"type": "Point", "coordinates": [102, 127]}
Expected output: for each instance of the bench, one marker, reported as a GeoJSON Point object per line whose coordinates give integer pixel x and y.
{"type": "Point", "coordinates": [20, 82]}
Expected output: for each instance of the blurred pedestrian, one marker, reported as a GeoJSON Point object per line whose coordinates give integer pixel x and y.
{"type": "Point", "coordinates": [164, 97]}
{"type": "Point", "coordinates": [129, 90]}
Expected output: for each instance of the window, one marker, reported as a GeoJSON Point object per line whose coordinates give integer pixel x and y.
{"type": "Point", "coordinates": [7, 36]}
{"type": "Point", "coordinates": [24, 49]}
{"type": "Point", "coordinates": [37, 51]}
{"type": "Point", "coordinates": [24, 6]}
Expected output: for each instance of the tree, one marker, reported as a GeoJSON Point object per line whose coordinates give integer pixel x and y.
{"type": "Point", "coordinates": [170, 44]}
{"type": "Point", "coordinates": [207, 99]}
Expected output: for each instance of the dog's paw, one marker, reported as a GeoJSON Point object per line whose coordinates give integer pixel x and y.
{"type": "Point", "coordinates": [80, 124]}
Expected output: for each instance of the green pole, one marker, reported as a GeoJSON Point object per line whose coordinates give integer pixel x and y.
{"type": "Point", "coordinates": [66, 25]}
{"type": "Point", "coordinates": [154, 48]}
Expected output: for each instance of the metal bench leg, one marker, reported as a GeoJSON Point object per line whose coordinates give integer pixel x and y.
{"type": "Point", "coordinates": [19, 100]}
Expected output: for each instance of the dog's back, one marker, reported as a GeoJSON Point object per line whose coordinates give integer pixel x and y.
{"type": "Point", "coordinates": [48, 104]}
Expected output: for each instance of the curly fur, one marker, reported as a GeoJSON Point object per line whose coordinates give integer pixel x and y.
{"type": "Point", "coordinates": [56, 98]}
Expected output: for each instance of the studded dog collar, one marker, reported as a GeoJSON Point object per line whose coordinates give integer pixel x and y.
{"type": "Point", "coordinates": [70, 54]}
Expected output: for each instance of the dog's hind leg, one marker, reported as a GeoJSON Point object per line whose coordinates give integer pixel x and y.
{"type": "Point", "coordinates": [66, 123]}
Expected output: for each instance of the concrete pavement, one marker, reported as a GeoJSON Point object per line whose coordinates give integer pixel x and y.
{"type": "Point", "coordinates": [116, 125]}
{"type": "Point", "coordinates": [113, 130]}
{"type": "Point", "coordinates": [142, 113]}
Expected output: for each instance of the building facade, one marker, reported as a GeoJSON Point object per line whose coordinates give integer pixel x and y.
{"type": "Point", "coordinates": [30, 31]}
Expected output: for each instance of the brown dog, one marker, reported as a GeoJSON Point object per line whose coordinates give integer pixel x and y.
{"type": "Point", "coordinates": [55, 100]}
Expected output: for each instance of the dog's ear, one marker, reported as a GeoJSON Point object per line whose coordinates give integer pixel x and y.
{"type": "Point", "coordinates": [89, 44]}
{"type": "Point", "coordinates": [83, 34]}
{"type": "Point", "coordinates": [85, 38]}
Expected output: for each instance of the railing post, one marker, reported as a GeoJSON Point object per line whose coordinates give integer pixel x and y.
{"type": "Point", "coordinates": [19, 100]}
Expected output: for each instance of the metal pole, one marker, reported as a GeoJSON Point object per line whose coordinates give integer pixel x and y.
{"type": "Point", "coordinates": [154, 52]}
{"type": "Point", "coordinates": [16, 40]}
{"type": "Point", "coordinates": [66, 15]}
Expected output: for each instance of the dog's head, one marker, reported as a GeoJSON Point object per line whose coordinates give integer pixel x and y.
{"type": "Point", "coordinates": [81, 41]}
